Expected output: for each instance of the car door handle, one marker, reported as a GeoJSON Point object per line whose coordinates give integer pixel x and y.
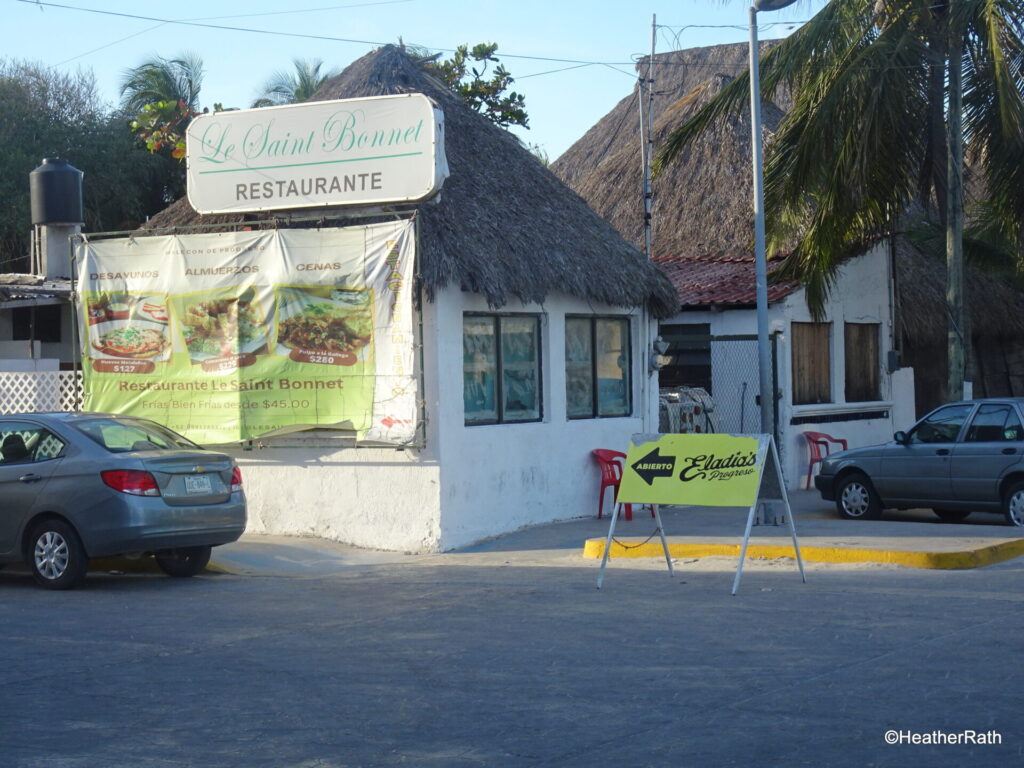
{"type": "Point", "coordinates": [1009, 451]}
{"type": "Point", "coordinates": [942, 452]}
{"type": "Point", "coordinates": [30, 478]}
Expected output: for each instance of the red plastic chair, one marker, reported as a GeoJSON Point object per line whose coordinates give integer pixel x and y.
{"type": "Point", "coordinates": [611, 463]}
{"type": "Point", "coordinates": [818, 443]}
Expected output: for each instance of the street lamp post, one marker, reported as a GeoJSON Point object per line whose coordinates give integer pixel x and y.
{"type": "Point", "coordinates": [760, 260]}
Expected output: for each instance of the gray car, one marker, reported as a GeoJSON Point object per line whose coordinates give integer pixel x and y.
{"type": "Point", "coordinates": [961, 457]}
{"type": "Point", "coordinates": [79, 485]}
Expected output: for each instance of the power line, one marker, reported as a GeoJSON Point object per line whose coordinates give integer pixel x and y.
{"type": "Point", "coordinates": [299, 10]}
{"type": "Point", "coordinates": [613, 65]}
{"type": "Point", "coordinates": [278, 33]}
{"type": "Point", "coordinates": [212, 18]}
{"type": "Point", "coordinates": [107, 45]}
{"type": "Point", "coordinates": [185, 23]}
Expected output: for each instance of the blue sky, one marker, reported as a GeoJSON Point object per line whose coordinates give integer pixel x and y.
{"type": "Point", "coordinates": [563, 98]}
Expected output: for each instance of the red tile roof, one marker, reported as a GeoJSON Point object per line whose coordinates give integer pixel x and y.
{"type": "Point", "coordinates": [723, 280]}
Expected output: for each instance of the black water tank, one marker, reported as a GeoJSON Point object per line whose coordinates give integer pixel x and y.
{"type": "Point", "coordinates": [55, 188]}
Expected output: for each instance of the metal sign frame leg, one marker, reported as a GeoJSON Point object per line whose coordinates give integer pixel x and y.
{"type": "Point", "coordinates": [608, 545]}
{"type": "Point", "coordinates": [611, 535]}
{"type": "Point", "coordinates": [664, 544]}
{"type": "Point", "coordinates": [743, 549]}
{"type": "Point", "coordinates": [761, 502]}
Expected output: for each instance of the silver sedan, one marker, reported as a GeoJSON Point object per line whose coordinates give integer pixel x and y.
{"type": "Point", "coordinates": [81, 485]}
{"type": "Point", "coordinates": [961, 457]}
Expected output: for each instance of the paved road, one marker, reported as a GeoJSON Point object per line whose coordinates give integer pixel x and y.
{"type": "Point", "coordinates": [322, 657]}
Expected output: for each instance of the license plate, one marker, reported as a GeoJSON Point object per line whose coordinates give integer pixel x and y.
{"type": "Point", "coordinates": [196, 485]}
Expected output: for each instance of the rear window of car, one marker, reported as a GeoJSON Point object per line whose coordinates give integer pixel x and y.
{"type": "Point", "coordinates": [121, 435]}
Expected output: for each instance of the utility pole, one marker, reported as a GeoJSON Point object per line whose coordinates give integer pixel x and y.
{"type": "Point", "coordinates": [646, 155]}
{"type": "Point", "coordinates": [958, 336]}
{"type": "Point", "coordinates": [648, 152]}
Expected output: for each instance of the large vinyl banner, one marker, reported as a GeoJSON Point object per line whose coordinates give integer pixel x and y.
{"type": "Point", "coordinates": [235, 335]}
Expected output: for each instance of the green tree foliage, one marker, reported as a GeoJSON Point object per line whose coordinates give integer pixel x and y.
{"type": "Point", "coordinates": [485, 92]}
{"type": "Point", "coordinates": [295, 86]}
{"type": "Point", "coordinates": [50, 114]}
{"type": "Point", "coordinates": [163, 80]}
{"type": "Point", "coordinates": [162, 95]}
{"type": "Point", "coordinates": [865, 140]}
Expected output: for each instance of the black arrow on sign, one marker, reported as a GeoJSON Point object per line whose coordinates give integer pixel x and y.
{"type": "Point", "coordinates": [654, 465]}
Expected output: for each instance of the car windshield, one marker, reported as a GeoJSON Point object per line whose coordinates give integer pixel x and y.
{"type": "Point", "coordinates": [121, 435]}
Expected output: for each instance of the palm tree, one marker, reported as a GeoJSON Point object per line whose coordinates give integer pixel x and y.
{"type": "Point", "coordinates": [876, 119]}
{"type": "Point", "coordinates": [293, 87]}
{"type": "Point", "coordinates": [163, 80]}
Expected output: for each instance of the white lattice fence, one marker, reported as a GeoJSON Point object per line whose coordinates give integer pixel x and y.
{"type": "Point", "coordinates": [40, 391]}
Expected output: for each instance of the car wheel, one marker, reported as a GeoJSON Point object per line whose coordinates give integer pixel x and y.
{"type": "Point", "coordinates": [56, 555]}
{"type": "Point", "coordinates": [1013, 504]}
{"type": "Point", "coordinates": [951, 515]}
{"type": "Point", "coordinates": [183, 563]}
{"type": "Point", "coordinates": [856, 499]}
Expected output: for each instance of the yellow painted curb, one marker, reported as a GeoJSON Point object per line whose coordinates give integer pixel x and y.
{"type": "Point", "coordinates": [955, 560]}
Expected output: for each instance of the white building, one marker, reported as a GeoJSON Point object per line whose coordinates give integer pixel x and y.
{"type": "Point", "coordinates": [534, 322]}
{"type": "Point", "coordinates": [836, 375]}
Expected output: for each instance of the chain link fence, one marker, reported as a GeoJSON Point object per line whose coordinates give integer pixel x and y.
{"type": "Point", "coordinates": [712, 384]}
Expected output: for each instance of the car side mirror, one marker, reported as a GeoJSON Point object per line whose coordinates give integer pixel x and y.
{"type": "Point", "coordinates": [900, 437]}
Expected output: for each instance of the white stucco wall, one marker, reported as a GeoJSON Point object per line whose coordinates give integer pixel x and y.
{"type": "Point", "coordinates": [374, 498]}
{"type": "Point", "coordinates": [862, 294]}
{"type": "Point", "coordinates": [379, 498]}
{"type": "Point", "coordinates": [501, 477]}
{"type": "Point", "coordinates": [467, 483]}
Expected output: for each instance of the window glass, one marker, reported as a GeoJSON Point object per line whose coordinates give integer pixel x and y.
{"type": "Point", "coordinates": [994, 423]}
{"type": "Point", "coordinates": [598, 367]}
{"type": "Point", "coordinates": [613, 364]}
{"type": "Point", "coordinates": [23, 443]}
{"type": "Point", "coordinates": [119, 436]}
{"type": "Point", "coordinates": [479, 369]}
{"type": "Point", "coordinates": [501, 368]}
{"type": "Point", "coordinates": [689, 353]}
{"type": "Point", "coordinates": [579, 368]}
{"type": "Point", "coordinates": [520, 369]}
{"type": "Point", "coordinates": [942, 426]}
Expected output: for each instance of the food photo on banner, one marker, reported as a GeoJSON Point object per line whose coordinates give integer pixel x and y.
{"type": "Point", "coordinates": [231, 336]}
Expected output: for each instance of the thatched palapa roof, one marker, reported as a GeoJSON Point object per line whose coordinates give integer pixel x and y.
{"type": "Point", "coordinates": [702, 213]}
{"type": "Point", "coordinates": [996, 308]}
{"type": "Point", "coordinates": [702, 201]}
{"type": "Point", "coordinates": [504, 226]}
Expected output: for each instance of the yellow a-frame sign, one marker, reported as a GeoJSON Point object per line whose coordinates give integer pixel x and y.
{"type": "Point", "coordinates": [709, 470]}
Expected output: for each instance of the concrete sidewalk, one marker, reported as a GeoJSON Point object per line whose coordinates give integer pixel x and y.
{"type": "Point", "coordinates": [902, 538]}
{"type": "Point", "coordinates": [915, 538]}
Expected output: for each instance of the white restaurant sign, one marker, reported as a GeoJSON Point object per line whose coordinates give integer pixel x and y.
{"type": "Point", "coordinates": [342, 152]}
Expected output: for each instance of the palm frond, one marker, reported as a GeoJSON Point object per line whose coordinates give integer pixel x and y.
{"type": "Point", "coordinates": [159, 79]}
{"type": "Point", "coordinates": [292, 87]}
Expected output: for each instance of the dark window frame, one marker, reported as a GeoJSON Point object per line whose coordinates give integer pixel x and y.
{"type": "Point", "coordinates": [499, 393]}
{"type": "Point", "coordinates": [595, 394]}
